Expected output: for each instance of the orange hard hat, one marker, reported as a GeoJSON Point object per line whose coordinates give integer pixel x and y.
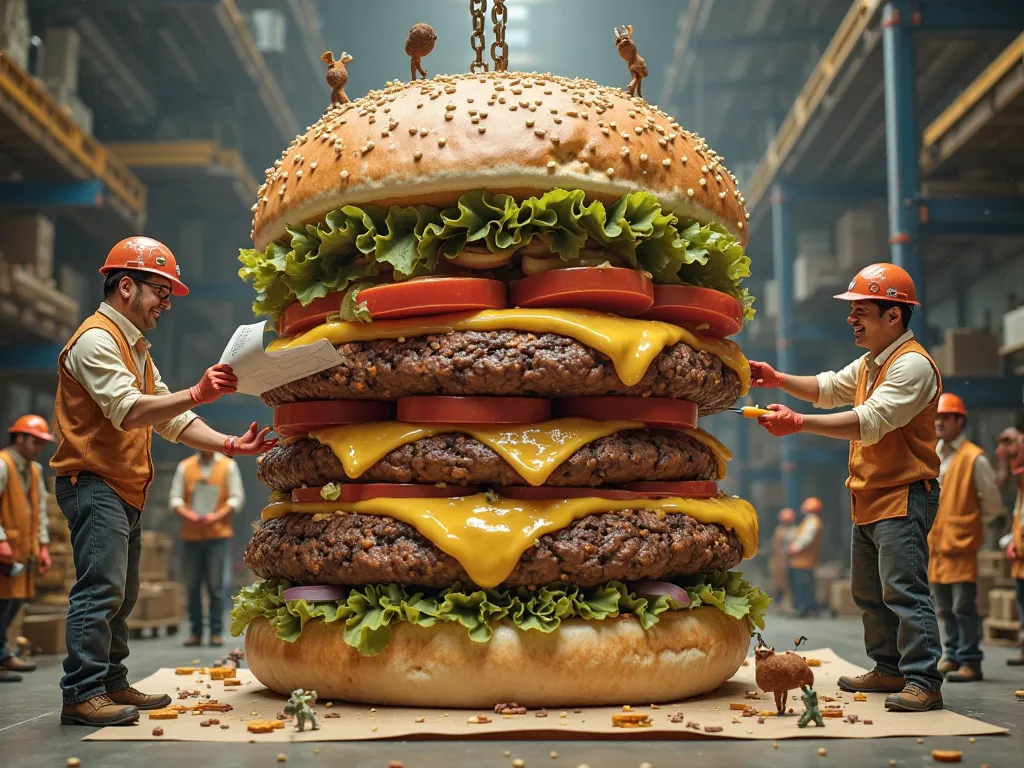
{"type": "Point", "coordinates": [144, 254]}
{"type": "Point", "coordinates": [32, 425]}
{"type": "Point", "coordinates": [811, 504]}
{"type": "Point", "coordinates": [950, 403]}
{"type": "Point", "coordinates": [787, 515]}
{"type": "Point", "coordinates": [882, 282]}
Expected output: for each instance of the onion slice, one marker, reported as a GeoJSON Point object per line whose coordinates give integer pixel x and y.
{"type": "Point", "coordinates": [324, 593]}
{"type": "Point", "coordinates": [658, 588]}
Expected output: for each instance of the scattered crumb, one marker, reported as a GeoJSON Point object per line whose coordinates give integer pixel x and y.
{"type": "Point", "coordinates": [920, 741]}
{"type": "Point", "coordinates": [813, 662]}
{"type": "Point", "coordinates": [860, 696]}
{"type": "Point", "coordinates": [73, 762]}
{"type": "Point", "coordinates": [775, 745]}
{"type": "Point", "coordinates": [1019, 694]}
{"type": "Point", "coordinates": [822, 752]}
{"type": "Point", "coordinates": [478, 720]}
{"type": "Point", "coordinates": [421, 719]}
{"type": "Point", "coordinates": [972, 740]}
{"type": "Point", "coordinates": [892, 764]}
{"type": "Point", "coordinates": [395, 764]}
{"type": "Point", "coordinates": [518, 763]}
{"type": "Point", "coordinates": [225, 727]}
{"type": "Point", "coordinates": [183, 670]}
{"type": "Point", "coordinates": [760, 721]}
{"type": "Point", "coordinates": [676, 717]}
{"type": "Point", "coordinates": [553, 755]}
{"type": "Point", "coordinates": [506, 753]}
{"type": "Point", "coordinates": [329, 704]}
{"type": "Point", "coordinates": [868, 722]}
{"type": "Point", "coordinates": [331, 716]}
{"type": "Point", "coordinates": [580, 711]}
{"type": "Point", "coordinates": [631, 720]}
{"type": "Point", "coordinates": [646, 765]}
{"type": "Point", "coordinates": [542, 713]}
{"type": "Point", "coordinates": [751, 695]}
{"type": "Point", "coordinates": [158, 731]}
{"type": "Point", "coordinates": [653, 706]}
{"type": "Point", "coordinates": [737, 705]}
{"type": "Point", "coordinates": [626, 708]}
{"type": "Point", "coordinates": [713, 729]}
{"type": "Point", "coordinates": [947, 756]}
{"type": "Point", "coordinates": [282, 757]}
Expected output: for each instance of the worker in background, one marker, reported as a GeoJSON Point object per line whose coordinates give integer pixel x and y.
{"type": "Point", "coordinates": [893, 484]}
{"type": "Point", "coordinates": [803, 557]}
{"type": "Point", "coordinates": [1010, 453]}
{"type": "Point", "coordinates": [970, 492]}
{"type": "Point", "coordinates": [206, 492]}
{"type": "Point", "coordinates": [109, 400]}
{"type": "Point", "coordinates": [24, 539]}
{"type": "Point", "coordinates": [780, 558]}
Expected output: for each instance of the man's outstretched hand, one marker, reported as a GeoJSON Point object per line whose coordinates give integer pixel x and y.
{"type": "Point", "coordinates": [781, 421]}
{"type": "Point", "coordinates": [763, 375]}
{"type": "Point", "coordinates": [217, 381]}
{"type": "Point", "coordinates": [252, 443]}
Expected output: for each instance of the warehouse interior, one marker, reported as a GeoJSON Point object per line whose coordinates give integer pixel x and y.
{"type": "Point", "coordinates": [859, 130]}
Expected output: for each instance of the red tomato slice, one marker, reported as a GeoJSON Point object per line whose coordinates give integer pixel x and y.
{"type": "Point", "coordinates": [299, 419]}
{"type": "Point", "coordinates": [652, 411]}
{"type": "Point", "coordinates": [364, 491]}
{"type": "Point", "coordinates": [693, 489]}
{"type": "Point", "coordinates": [693, 308]}
{"type": "Point", "coordinates": [412, 298]}
{"type": "Point", "coordinates": [440, 409]}
{"type": "Point", "coordinates": [687, 489]}
{"type": "Point", "coordinates": [615, 290]}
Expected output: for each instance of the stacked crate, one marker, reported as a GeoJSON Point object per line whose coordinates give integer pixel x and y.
{"type": "Point", "coordinates": [45, 616]}
{"type": "Point", "coordinates": [161, 602]}
{"type": "Point", "coordinates": [1002, 627]}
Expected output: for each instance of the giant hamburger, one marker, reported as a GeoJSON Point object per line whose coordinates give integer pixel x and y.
{"type": "Point", "coordinates": [501, 493]}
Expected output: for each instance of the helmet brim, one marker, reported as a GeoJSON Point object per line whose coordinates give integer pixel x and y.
{"type": "Point", "coordinates": [853, 296]}
{"type": "Point", "coordinates": [178, 288]}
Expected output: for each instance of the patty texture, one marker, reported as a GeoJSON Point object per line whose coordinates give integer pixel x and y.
{"type": "Point", "coordinates": [630, 456]}
{"type": "Point", "coordinates": [507, 363]}
{"type": "Point", "coordinates": [352, 549]}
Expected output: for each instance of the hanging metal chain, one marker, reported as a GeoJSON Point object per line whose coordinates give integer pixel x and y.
{"type": "Point", "coordinates": [499, 49]}
{"type": "Point", "coordinates": [478, 8]}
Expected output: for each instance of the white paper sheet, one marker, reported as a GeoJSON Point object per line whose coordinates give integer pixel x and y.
{"type": "Point", "coordinates": [205, 498]}
{"type": "Point", "coordinates": [258, 370]}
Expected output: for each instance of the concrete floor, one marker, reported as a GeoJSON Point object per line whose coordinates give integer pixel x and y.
{"type": "Point", "coordinates": [31, 734]}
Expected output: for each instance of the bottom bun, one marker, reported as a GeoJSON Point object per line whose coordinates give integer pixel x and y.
{"type": "Point", "coordinates": [583, 663]}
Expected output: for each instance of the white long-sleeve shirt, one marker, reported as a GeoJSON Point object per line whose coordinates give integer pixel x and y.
{"type": "Point", "coordinates": [95, 362]}
{"type": "Point", "coordinates": [236, 493]}
{"type": "Point", "coordinates": [910, 384]}
{"type": "Point", "coordinates": [22, 465]}
{"type": "Point", "coordinates": [805, 536]}
{"type": "Point", "coordinates": [986, 485]}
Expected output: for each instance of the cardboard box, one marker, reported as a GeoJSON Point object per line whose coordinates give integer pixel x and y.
{"type": "Point", "coordinates": [28, 241]}
{"type": "Point", "coordinates": [862, 238]}
{"type": "Point", "coordinates": [1013, 329]}
{"type": "Point", "coordinates": [45, 631]}
{"type": "Point", "coordinates": [995, 567]}
{"type": "Point", "coordinates": [824, 576]}
{"type": "Point", "coordinates": [159, 601]}
{"type": "Point", "coordinates": [156, 556]}
{"type": "Point", "coordinates": [841, 599]}
{"type": "Point", "coordinates": [1002, 605]}
{"type": "Point", "coordinates": [984, 587]}
{"type": "Point", "coordinates": [969, 352]}
{"type": "Point", "coordinates": [816, 274]}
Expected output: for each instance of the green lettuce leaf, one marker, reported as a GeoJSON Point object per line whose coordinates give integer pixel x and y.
{"type": "Point", "coordinates": [353, 242]}
{"type": "Point", "coordinates": [369, 612]}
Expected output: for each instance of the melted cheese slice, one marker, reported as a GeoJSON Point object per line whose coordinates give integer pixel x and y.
{"type": "Point", "coordinates": [533, 450]}
{"type": "Point", "coordinates": [489, 537]}
{"type": "Point", "coordinates": [632, 345]}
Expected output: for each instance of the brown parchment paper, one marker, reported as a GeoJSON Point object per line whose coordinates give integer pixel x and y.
{"type": "Point", "coordinates": [251, 701]}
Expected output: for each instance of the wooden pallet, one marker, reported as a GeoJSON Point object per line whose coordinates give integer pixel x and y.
{"type": "Point", "coordinates": [152, 627]}
{"type": "Point", "coordinates": [1001, 632]}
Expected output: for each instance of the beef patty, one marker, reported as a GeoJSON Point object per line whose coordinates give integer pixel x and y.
{"type": "Point", "coordinates": [352, 549]}
{"type": "Point", "coordinates": [630, 456]}
{"type": "Point", "coordinates": [507, 363]}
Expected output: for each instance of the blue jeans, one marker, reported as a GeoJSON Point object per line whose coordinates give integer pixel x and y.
{"type": "Point", "coordinates": [957, 607]}
{"type": "Point", "coordinates": [204, 565]}
{"type": "Point", "coordinates": [801, 586]}
{"type": "Point", "coordinates": [8, 610]}
{"type": "Point", "coordinates": [889, 577]}
{"type": "Point", "coordinates": [106, 537]}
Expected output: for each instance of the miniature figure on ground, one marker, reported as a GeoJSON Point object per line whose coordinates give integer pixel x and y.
{"type": "Point", "coordinates": [635, 62]}
{"type": "Point", "coordinates": [418, 44]}
{"type": "Point", "coordinates": [810, 699]}
{"type": "Point", "coordinates": [779, 674]}
{"type": "Point", "coordinates": [337, 76]}
{"type": "Point", "coordinates": [299, 706]}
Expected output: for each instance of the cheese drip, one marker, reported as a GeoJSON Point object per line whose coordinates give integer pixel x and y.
{"type": "Point", "coordinates": [489, 537]}
{"type": "Point", "coordinates": [533, 450]}
{"type": "Point", "coordinates": [631, 344]}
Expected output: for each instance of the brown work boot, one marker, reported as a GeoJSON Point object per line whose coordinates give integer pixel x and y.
{"type": "Point", "coordinates": [947, 665]}
{"type": "Point", "coordinates": [193, 641]}
{"type": "Point", "coordinates": [874, 681]}
{"type": "Point", "coordinates": [14, 664]}
{"type": "Point", "coordinates": [98, 711]}
{"type": "Point", "coordinates": [9, 677]}
{"type": "Point", "coordinates": [913, 698]}
{"type": "Point", "coordinates": [967, 673]}
{"type": "Point", "coordinates": [131, 697]}
{"type": "Point", "coordinates": [216, 640]}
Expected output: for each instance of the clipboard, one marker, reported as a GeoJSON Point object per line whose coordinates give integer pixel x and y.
{"type": "Point", "coordinates": [205, 498]}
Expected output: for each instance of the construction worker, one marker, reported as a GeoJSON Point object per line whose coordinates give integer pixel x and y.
{"type": "Point", "coordinates": [1010, 453]}
{"type": "Point", "coordinates": [894, 492]}
{"type": "Point", "coordinates": [970, 493]}
{"type": "Point", "coordinates": [206, 492]}
{"type": "Point", "coordinates": [780, 553]}
{"type": "Point", "coordinates": [803, 557]}
{"type": "Point", "coordinates": [24, 540]}
{"type": "Point", "coordinates": [109, 400]}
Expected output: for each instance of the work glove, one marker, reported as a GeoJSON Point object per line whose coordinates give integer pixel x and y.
{"type": "Point", "coordinates": [1011, 551]}
{"type": "Point", "coordinates": [763, 375]}
{"type": "Point", "coordinates": [782, 421]}
{"type": "Point", "coordinates": [252, 443]}
{"type": "Point", "coordinates": [44, 559]}
{"type": "Point", "coordinates": [218, 380]}
{"type": "Point", "coordinates": [6, 553]}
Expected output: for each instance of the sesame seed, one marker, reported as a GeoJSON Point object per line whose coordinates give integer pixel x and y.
{"type": "Point", "coordinates": [540, 132]}
{"type": "Point", "coordinates": [605, 131]}
{"type": "Point", "coordinates": [663, 142]}
{"type": "Point", "coordinates": [747, 215]}
{"type": "Point", "coordinates": [474, 120]}
{"type": "Point", "coordinates": [638, 130]}
{"type": "Point", "coordinates": [718, 177]}
{"type": "Point", "coordinates": [610, 171]}
{"type": "Point", "coordinates": [689, 192]}
{"type": "Point", "coordinates": [613, 125]}
{"type": "Point", "coordinates": [449, 116]}
{"type": "Point", "coordinates": [721, 195]}
{"type": "Point", "coordinates": [449, 108]}
{"type": "Point", "coordinates": [555, 138]}
{"type": "Point", "coordinates": [513, 108]}
{"type": "Point", "coordinates": [684, 158]}
{"type": "Point", "coordinates": [530, 123]}
{"type": "Point", "coordinates": [739, 224]}
{"type": "Point", "coordinates": [624, 151]}
{"type": "Point", "coordinates": [552, 164]}
{"type": "Point", "coordinates": [442, 141]}
{"type": "Point", "coordinates": [483, 115]}
{"type": "Point", "coordinates": [703, 182]}
{"type": "Point", "coordinates": [417, 155]}
{"type": "Point", "coordinates": [643, 158]}
{"type": "Point", "coordinates": [344, 174]}
{"type": "Point", "coordinates": [558, 121]}
{"type": "Point", "coordinates": [298, 174]}
{"type": "Point", "coordinates": [412, 131]}
{"type": "Point", "coordinates": [423, 131]}
{"type": "Point", "coordinates": [482, 128]}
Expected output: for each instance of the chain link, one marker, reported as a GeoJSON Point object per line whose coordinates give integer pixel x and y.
{"type": "Point", "coordinates": [478, 8]}
{"type": "Point", "coordinates": [499, 49]}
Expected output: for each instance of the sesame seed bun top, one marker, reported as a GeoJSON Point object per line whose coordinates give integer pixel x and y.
{"type": "Point", "coordinates": [430, 141]}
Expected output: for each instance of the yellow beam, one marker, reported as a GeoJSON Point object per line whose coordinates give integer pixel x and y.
{"type": "Point", "coordinates": [40, 107]}
{"type": "Point", "coordinates": [185, 154]}
{"type": "Point", "coordinates": [1004, 63]}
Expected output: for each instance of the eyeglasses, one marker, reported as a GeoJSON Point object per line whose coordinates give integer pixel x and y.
{"type": "Point", "coordinates": [162, 292]}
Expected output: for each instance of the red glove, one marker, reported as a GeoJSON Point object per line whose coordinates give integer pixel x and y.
{"type": "Point", "coordinates": [218, 380]}
{"type": "Point", "coordinates": [252, 443]}
{"type": "Point", "coordinates": [1011, 551]}
{"type": "Point", "coordinates": [44, 559]}
{"type": "Point", "coordinates": [763, 375]}
{"type": "Point", "coordinates": [782, 422]}
{"type": "Point", "coordinates": [6, 553]}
